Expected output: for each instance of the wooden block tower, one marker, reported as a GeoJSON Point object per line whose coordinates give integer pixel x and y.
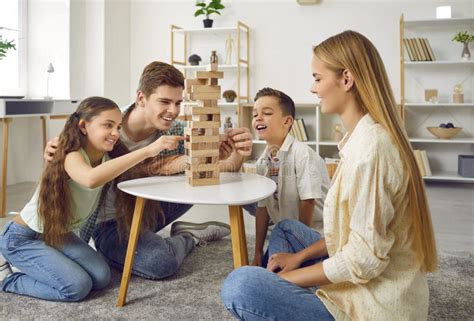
{"type": "Point", "coordinates": [202, 131]}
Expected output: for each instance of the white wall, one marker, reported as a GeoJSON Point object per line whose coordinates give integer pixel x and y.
{"type": "Point", "coordinates": [283, 33]}
{"type": "Point", "coordinates": [88, 43]}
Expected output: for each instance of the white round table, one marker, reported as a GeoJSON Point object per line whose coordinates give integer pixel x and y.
{"type": "Point", "coordinates": [235, 189]}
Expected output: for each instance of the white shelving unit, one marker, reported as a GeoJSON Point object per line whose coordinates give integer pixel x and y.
{"type": "Point", "coordinates": [441, 74]}
{"type": "Point", "coordinates": [202, 41]}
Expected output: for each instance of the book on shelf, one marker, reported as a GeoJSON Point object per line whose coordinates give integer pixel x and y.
{"type": "Point", "coordinates": [430, 50]}
{"type": "Point", "coordinates": [426, 164]}
{"type": "Point", "coordinates": [419, 49]}
{"type": "Point", "coordinates": [422, 162]}
{"type": "Point", "coordinates": [419, 46]}
{"type": "Point", "coordinates": [299, 135]}
{"type": "Point", "coordinates": [419, 162]}
{"type": "Point", "coordinates": [408, 50]}
{"type": "Point", "coordinates": [303, 130]}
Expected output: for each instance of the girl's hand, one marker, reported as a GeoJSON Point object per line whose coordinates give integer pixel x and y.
{"type": "Point", "coordinates": [284, 262]}
{"type": "Point", "coordinates": [163, 143]}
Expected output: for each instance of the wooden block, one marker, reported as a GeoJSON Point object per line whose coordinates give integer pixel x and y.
{"type": "Point", "coordinates": [211, 131]}
{"type": "Point", "coordinates": [205, 96]}
{"type": "Point", "coordinates": [202, 145]}
{"type": "Point", "coordinates": [203, 117]}
{"type": "Point", "coordinates": [203, 124]}
{"type": "Point", "coordinates": [209, 74]}
{"type": "Point", "coordinates": [216, 118]}
{"type": "Point", "coordinates": [203, 181]}
{"type": "Point", "coordinates": [204, 168]}
{"type": "Point", "coordinates": [213, 81]}
{"type": "Point", "coordinates": [191, 82]}
{"type": "Point", "coordinates": [203, 139]}
{"type": "Point", "coordinates": [209, 103]}
{"type": "Point", "coordinates": [205, 89]}
{"type": "Point", "coordinates": [193, 110]}
{"type": "Point", "coordinates": [202, 153]}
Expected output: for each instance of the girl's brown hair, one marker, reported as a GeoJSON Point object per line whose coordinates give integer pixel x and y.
{"type": "Point", "coordinates": [54, 195]}
{"type": "Point", "coordinates": [352, 51]}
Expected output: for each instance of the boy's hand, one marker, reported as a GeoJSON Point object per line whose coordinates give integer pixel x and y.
{"type": "Point", "coordinates": [225, 147]}
{"type": "Point", "coordinates": [241, 139]}
{"type": "Point", "coordinates": [163, 143]}
{"type": "Point", "coordinates": [50, 149]}
{"type": "Point", "coordinates": [283, 261]}
{"type": "Point", "coordinates": [257, 259]}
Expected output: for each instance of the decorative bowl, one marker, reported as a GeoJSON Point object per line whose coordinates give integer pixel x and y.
{"type": "Point", "coordinates": [444, 133]}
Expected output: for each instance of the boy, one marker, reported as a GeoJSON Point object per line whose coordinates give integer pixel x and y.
{"type": "Point", "coordinates": [300, 174]}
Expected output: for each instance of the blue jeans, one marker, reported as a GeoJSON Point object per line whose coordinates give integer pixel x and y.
{"type": "Point", "coordinates": [65, 274]}
{"type": "Point", "coordinates": [155, 257]}
{"type": "Point", "coordinates": [254, 293]}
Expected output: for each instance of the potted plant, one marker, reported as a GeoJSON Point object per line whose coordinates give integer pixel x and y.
{"type": "Point", "coordinates": [194, 60]}
{"type": "Point", "coordinates": [465, 38]}
{"type": "Point", "coordinates": [229, 95]}
{"type": "Point", "coordinates": [5, 45]}
{"type": "Point", "coordinates": [207, 9]}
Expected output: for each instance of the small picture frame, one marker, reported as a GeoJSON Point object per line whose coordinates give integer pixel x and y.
{"type": "Point", "coordinates": [431, 95]}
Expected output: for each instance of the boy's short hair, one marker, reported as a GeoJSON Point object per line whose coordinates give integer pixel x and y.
{"type": "Point", "coordinates": [157, 74]}
{"type": "Point", "coordinates": [287, 105]}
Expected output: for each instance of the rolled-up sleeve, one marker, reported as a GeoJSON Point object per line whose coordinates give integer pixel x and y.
{"type": "Point", "coordinates": [370, 206]}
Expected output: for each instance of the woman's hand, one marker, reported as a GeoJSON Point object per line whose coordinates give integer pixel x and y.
{"type": "Point", "coordinates": [284, 262]}
{"type": "Point", "coordinates": [163, 143]}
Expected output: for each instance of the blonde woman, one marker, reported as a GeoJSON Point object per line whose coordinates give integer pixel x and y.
{"type": "Point", "coordinates": [378, 231]}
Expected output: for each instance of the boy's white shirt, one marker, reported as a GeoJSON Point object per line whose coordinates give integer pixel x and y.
{"type": "Point", "coordinates": [302, 175]}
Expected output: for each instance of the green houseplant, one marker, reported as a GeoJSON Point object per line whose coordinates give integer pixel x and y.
{"type": "Point", "coordinates": [5, 45]}
{"type": "Point", "coordinates": [465, 38]}
{"type": "Point", "coordinates": [214, 6]}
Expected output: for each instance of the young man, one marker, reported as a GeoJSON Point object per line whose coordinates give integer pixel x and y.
{"type": "Point", "coordinates": [153, 114]}
{"type": "Point", "coordinates": [300, 174]}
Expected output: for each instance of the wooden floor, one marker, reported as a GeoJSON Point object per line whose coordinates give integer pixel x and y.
{"type": "Point", "coordinates": [452, 209]}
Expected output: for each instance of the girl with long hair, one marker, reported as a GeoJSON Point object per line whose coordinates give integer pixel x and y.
{"type": "Point", "coordinates": [54, 263]}
{"type": "Point", "coordinates": [378, 233]}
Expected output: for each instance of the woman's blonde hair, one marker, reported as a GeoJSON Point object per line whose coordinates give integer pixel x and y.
{"type": "Point", "coordinates": [352, 51]}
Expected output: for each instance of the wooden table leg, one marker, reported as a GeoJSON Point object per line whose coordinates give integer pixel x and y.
{"type": "Point", "coordinates": [3, 189]}
{"type": "Point", "coordinates": [237, 231]}
{"type": "Point", "coordinates": [132, 245]}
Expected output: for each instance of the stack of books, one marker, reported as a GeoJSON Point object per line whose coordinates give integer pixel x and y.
{"type": "Point", "coordinates": [422, 161]}
{"type": "Point", "coordinates": [419, 49]}
{"type": "Point", "coordinates": [298, 130]}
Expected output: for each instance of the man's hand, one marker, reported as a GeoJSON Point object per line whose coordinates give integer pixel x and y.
{"type": "Point", "coordinates": [283, 261]}
{"type": "Point", "coordinates": [50, 149]}
{"type": "Point", "coordinates": [241, 140]}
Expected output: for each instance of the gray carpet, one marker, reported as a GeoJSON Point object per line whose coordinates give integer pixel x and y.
{"type": "Point", "coordinates": [193, 294]}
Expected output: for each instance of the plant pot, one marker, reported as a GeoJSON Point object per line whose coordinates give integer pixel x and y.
{"type": "Point", "coordinates": [207, 23]}
{"type": "Point", "coordinates": [466, 54]}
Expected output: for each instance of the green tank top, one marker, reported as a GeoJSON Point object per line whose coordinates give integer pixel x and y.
{"type": "Point", "coordinates": [83, 202]}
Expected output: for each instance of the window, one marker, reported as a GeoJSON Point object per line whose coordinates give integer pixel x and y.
{"type": "Point", "coordinates": [13, 66]}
